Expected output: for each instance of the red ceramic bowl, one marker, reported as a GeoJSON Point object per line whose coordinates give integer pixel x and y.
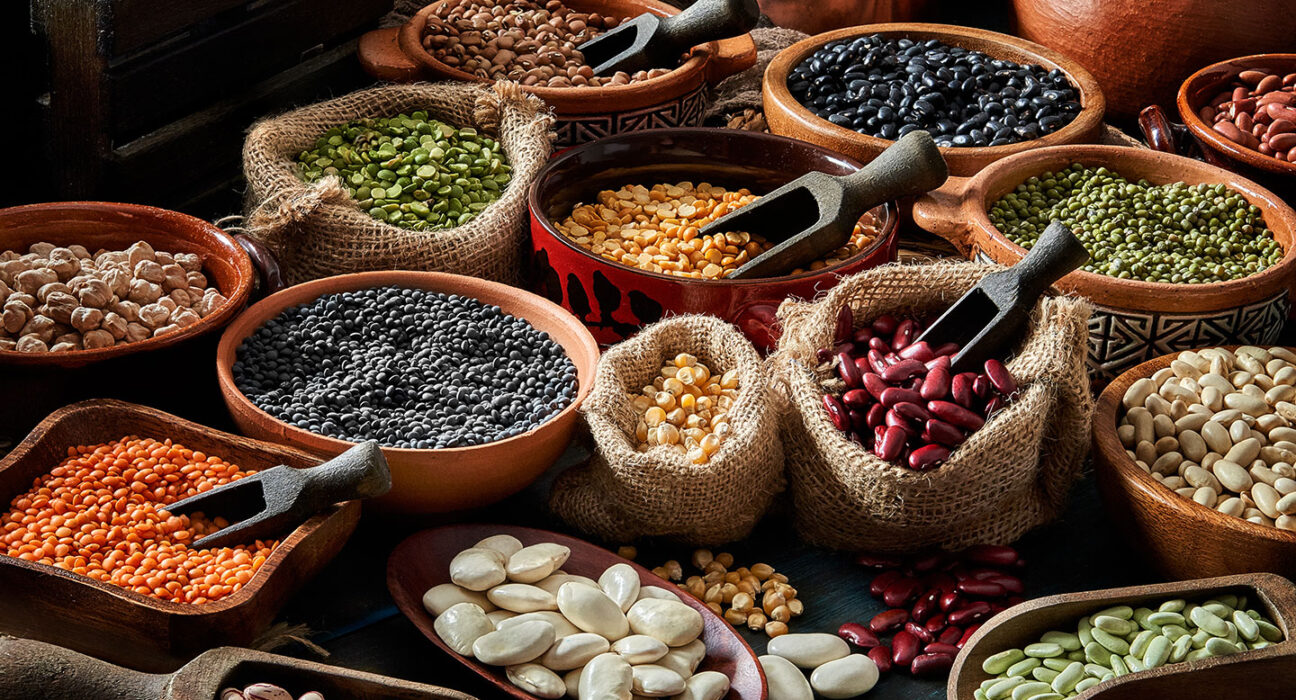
{"type": "Point", "coordinates": [615, 300]}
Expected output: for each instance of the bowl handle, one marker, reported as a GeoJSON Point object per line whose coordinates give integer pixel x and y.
{"type": "Point", "coordinates": [264, 261]}
{"type": "Point", "coordinates": [730, 56]}
{"type": "Point", "coordinates": [381, 57]}
{"type": "Point", "coordinates": [33, 669]}
{"type": "Point", "coordinates": [940, 211]}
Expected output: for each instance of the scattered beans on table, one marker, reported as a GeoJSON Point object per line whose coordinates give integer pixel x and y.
{"type": "Point", "coordinates": [1216, 427]}
{"type": "Point", "coordinates": [531, 42]}
{"type": "Point", "coordinates": [61, 299]}
{"type": "Point", "coordinates": [1175, 233]}
{"type": "Point", "coordinates": [406, 367]}
{"type": "Point", "coordinates": [757, 597]}
{"type": "Point", "coordinates": [889, 87]}
{"type": "Point", "coordinates": [686, 409]}
{"type": "Point", "coordinates": [898, 397]}
{"type": "Point", "coordinates": [125, 536]}
{"type": "Point", "coordinates": [412, 171]}
{"type": "Point", "coordinates": [1124, 639]}
{"type": "Point", "coordinates": [266, 691]}
{"type": "Point", "coordinates": [1258, 111]}
{"type": "Point", "coordinates": [658, 229]}
{"type": "Point", "coordinates": [834, 671]}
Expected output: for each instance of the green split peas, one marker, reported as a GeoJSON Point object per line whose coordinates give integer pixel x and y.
{"type": "Point", "coordinates": [411, 171]}
{"type": "Point", "coordinates": [1175, 233]}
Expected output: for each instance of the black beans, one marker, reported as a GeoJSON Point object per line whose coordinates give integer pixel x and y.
{"type": "Point", "coordinates": [406, 367]}
{"type": "Point", "coordinates": [889, 87]}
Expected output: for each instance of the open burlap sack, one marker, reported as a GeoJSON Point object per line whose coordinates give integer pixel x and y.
{"type": "Point", "coordinates": [623, 494]}
{"type": "Point", "coordinates": [317, 230]}
{"type": "Point", "coordinates": [1011, 475]}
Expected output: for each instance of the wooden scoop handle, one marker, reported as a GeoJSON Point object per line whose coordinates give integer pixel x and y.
{"type": "Point", "coordinates": [1056, 253]}
{"type": "Point", "coordinates": [912, 165]}
{"type": "Point", "coordinates": [360, 472]}
{"type": "Point", "coordinates": [706, 20]}
{"type": "Point", "coordinates": [35, 670]}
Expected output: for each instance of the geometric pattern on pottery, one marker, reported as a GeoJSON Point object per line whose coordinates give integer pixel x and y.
{"type": "Point", "coordinates": [687, 110]}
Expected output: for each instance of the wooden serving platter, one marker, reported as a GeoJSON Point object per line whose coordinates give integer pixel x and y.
{"type": "Point", "coordinates": [423, 561]}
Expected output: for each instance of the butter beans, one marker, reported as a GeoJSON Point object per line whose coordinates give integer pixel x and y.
{"type": "Point", "coordinates": [674, 623]}
{"type": "Point", "coordinates": [462, 625]}
{"type": "Point", "coordinates": [809, 650]}
{"type": "Point", "coordinates": [786, 682]}
{"type": "Point", "coordinates": [516, 645]}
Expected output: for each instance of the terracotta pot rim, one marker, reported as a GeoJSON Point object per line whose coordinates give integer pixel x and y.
{"type": "Point", "coordinates": [889, 214]}
{"type": "Point", "coordinates": [1203, 131]}
{"type": "Point", "coordinates": [234, 301]}
{"type": "Point", "coordinates": [258, 314]}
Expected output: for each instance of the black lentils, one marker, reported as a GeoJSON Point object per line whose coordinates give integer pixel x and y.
{"type": "Point", "coordinates": [406, 367]}
{"type": "Point", "coordinates": [889, 87]}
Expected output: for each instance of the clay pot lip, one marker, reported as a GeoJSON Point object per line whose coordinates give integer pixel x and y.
{"type": "Point", "coordinates": [1110, 455]}
{"type": "Point", "coordinates": [1093, 103]}
{"type": "Point", "coordinates": [888, 214]}
{"type": "Point", "coordinates": [1190, 100]}
{"type": "Point", "coordinates": [584, 354]}
{"type": "Point", "coordinates": [167, 222]}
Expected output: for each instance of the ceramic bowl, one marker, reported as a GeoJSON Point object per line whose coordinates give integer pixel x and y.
{"type": "Point", "coordinates": [788, 117]}
{"type": "Point", "coordinates": [584, 113]}
{"type": "Point", "coordinates": [1133, 320]}
{"type": "Point", "coordinates": [826, 15]}
{"type": "Point", "coordinates": [428, 481]}
{"type": "Point", "coordinates": [615, 300]}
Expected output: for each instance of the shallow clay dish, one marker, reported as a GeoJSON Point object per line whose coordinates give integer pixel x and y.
{"type": "Point", "coordinates": [423, 561]}
{"type": "Point", "coordinates": [428, 481]}
{"type": "Point", "coordinates": [1133, 320]}
{"type": "Point", "coordinates": [1023, 624]}
{"type": "Point", "coordinates": [615, 300]}
{"type": "Point", "coordinates": [1181, 537]}
{"type": "Point", "coordinates": [60, 607]}
{"type": "Point", "coordinates": [788, 117]}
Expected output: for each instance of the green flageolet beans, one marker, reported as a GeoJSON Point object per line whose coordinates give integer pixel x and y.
{"type": "Point", "coordinates": [1121, 640]}
{"type": "Point", "coordinates": [1175, 233]}
{"type": "Point", "coordinates": [411, 171]}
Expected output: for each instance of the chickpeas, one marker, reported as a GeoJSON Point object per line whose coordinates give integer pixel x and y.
{"type": "Point", "coordinates": [685, 408]}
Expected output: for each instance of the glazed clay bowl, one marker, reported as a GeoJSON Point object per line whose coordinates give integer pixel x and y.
{"type": "Point", "coordinates": [584, 113]}
{"type": "Point", "coordinates": [1133, 320]}
{"type": "Point", "coordinates": [427, 481]}
{"type": "Point", "coordinates": [615, 300]}
{"type": "Point", "coordinates": [788, 117]}
{"type": "Point", "coordinates": [1179, 536]}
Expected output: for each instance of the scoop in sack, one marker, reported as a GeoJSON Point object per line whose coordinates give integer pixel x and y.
{"type": "Point", "coordinates": [651, 41]}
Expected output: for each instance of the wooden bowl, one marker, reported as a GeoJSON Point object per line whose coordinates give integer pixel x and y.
{"type": "Point", "coordinates": [423, 561]}
{"type": "Point", "coordinates": [788, 117]}
{"type": "Point", "coordinates": [1024, 623]}
{"type": "Point", "coordinates": [584, 113]}
{"type": "Point", "coordinates": [1133, 320]}
{"type": "Point", "coordinates": [1181, 537]}
{"type": "Point", "coordinates": [826, 15]}
{"type": "Point", "coordinates": [57, 606]}
{"type": "Point", "coordinates": [615, 300]}
{"type": "Point", "coordinates": [428, 481]}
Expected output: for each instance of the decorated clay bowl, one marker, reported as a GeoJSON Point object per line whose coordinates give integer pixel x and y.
{"type": "Point", "coordinates": [615, 300]}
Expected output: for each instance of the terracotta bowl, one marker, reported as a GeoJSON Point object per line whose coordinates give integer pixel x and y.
{"type": "Point", "coordinates": [826, 15]}
{"type": "Point", "coordinates": [1133, 320]}
{"type": "Point", "coordinates": [615, 300]}
{"type": "Point", "coordinates": [57, 606]}
{"type": "Point", "coordinates": [584, 113]}
{"type": "Point", "coordinates": [428, 481]}
{"type": "Point", "coordinates": [1180, 537]}
{"type": "Point", "coordinates": [788, 117]}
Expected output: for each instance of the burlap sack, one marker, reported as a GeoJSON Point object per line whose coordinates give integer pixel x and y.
{"type": "Point", "coordinates": [1011, 475]}
{"type": "Point", "coordinates": [623, 494]}
{"type": "Point", "coordinates": [317, 230]}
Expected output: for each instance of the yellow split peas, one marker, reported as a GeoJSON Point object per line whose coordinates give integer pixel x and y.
{"type": "Point", "coordinates": [686, 408]}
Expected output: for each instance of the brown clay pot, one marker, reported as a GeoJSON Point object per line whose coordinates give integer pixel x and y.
{"type": "Point", "coordinates": [788, 117]}
{"type": "Point", "coordinates": [1133, 320]}
{"type": "Point", "coordinates": [827, 15]}
{"type": "Point", "coordinates": [428, 481]}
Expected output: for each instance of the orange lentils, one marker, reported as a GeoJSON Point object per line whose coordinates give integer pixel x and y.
{"type": "Point", "coordinates": [102, 513]}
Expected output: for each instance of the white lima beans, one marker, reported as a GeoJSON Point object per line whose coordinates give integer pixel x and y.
{"type": "Point", "coordinates": [835, 673]}
{"type": "Point", "coordinates": [1217, 428]}
{"type": "Point", "coordinates": [559, 634]}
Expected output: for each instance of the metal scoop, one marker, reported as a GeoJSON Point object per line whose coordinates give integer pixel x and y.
{"type": "Point", "coordinates": [994, 313]}
{"type": "Point", "coordinates": [275, 500]}
{"type": "Point", "coordinates": [650, 41]}
{"type": "Point", "coordinates": [815, 214]}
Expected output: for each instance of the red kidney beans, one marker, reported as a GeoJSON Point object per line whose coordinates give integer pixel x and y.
{"type": "Point", "coordinates": [931, 664]}
{"type": "Point", "coordinates": [926, 606]}
{"type": "Point", "coordinates": [891, 444]}
{"type": "Point", "coordinates": [904, 647]}
{"type": "Point", "coordinates": [858, 634]}
{"type": "Point", "coordinates": [961, 390]}
{"type": "Point", "coordinates": [856, 398]}
{"type": "Point", "coordinates": [875, 385]}
{"type": "Point", "coordinates": [859, 421]}
{"type": "Point", "coordinates": [920, 351]}
{"type": "Point", "coordinates": [877, 361]}
{"type": "Point", "coordinates": [920, 632]}
{"type": "Point", "coordinates": [888, 621]}
{"type": "Point", "coordinates": [927, 563]}
{"type": "Point", "coordinates": [993, 406]}
{"type": "Point", "coordinates": [912, 411]}
{"type": "Point", "coordinates": [967, 634]}
{"type": "Point", "coordinates": [876, 415]}
{"type": "Point", "coordinates": [1011, 584]}
{"type": "Point", "coordinates": [972, 612]}
{"type": "Point", "coordinates": [881, 656]}
{"type": "Point", "coordinates": [884, 579]}
{"type": "Point", "coordinates": [999, 377]}
{"type": "Point", "coordinates": [824, 355]}
{"type": "Point", "coordinates": [896, 420]}
{"type": "Point", "coordinates": [862, 336]}
{"type": "Point", "coordinates": [847, 370]}
{"type": "Point", "coordinates": [938, 431]}
{"type": "Point", "coordinates": [906, 330]}
{"type": "Point", "coordinates": [928, 457]}
{"type": "Point", "coordinates": [941, 581]}
{"type": "Point", "coordinates": [946, 349]}
{"type": "Point", "coordinates": [949, 601]}
{"type": "Point", "coordinates": [885, 324]}
{"type": "Point", "coordinates": [941, 648]}
{"type": "Point", "coordinates": [935, 624]}
{"type": "Point", "coordinates": [836, 413]}
{"type": "Point", "coordinates": [902, 370]}
{"type": "Point", "coordinates": [982, 588]}
{"type": "Point", "coordinates": [937, 384]}
{"type": "Point", "coordinates": [845, 324]}
{"type": "Point", "coordinates": [895, 395]}
{"type": "Point", "coordinates": [955, 414]}
{"type": "Point", "coordinates": [981, 386]}
{"type": "Point", "coordinates": [879, 344]}
{"type": "Point", "coordinates": [901, 592]}
{"type": "Point", "coordinates": [950, 635]}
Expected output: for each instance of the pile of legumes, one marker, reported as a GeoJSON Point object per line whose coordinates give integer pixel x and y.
{"type": "Point", "coordinates": [1259, 112]}
{"type": "Point", "coordinates": [888, 87]}
{"type": "Point", "coordinates": [686, 408]}
{"type": "Point", "coordinates": [899, 398]}
{"type": "Point", "coordinates": [266, 691]}
{"type": "Point", "coordinates": [102, 513]}
{"type": "Point", "coordinates": [512, 606]}
{"type": "Point", "coordinates": [1124, 639]}
{"type": "Point", "coordinates": [657, 230]}
{"type": "Point", "coordinates": [757, 596]}
{"type": "Point", "coordinates": [406, 367]}
{"type": "Point", "coordinates": [59, 299]}
{"type": "Point", "coordinates": [1175, 233]}
{"type": "Point", "coordinates": [834, 671]}
{"type": "Point", "coordinates": [531, 42]}
{"type": "Point", "coordinates": [410, 170]}
{"type": "Point", "coordinates": [1219, 427]}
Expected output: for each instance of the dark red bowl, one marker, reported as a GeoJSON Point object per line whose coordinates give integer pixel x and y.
{"type": "Point", "coordinates": [615, 300]}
